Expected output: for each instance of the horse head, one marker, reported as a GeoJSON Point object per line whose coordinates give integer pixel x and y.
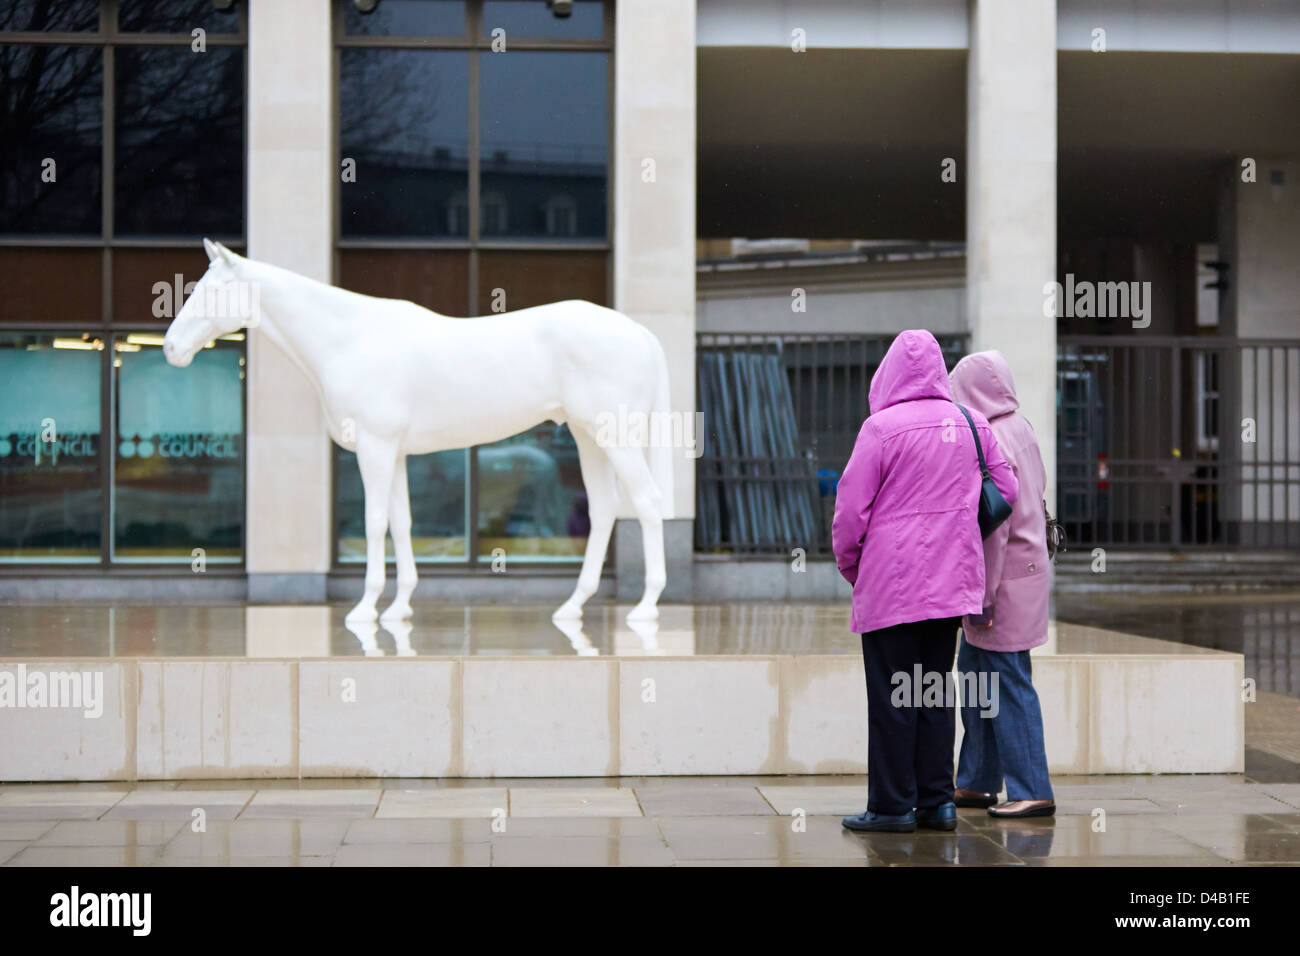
{"type": "Point", "coordinates": [223, 301]}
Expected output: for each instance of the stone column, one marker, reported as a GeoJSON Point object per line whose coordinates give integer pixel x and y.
{"type": "Point", "coordinates": [290, 165]}
{"type": "Point", "coordinates": [654, 236]}
{"type": "Point", "coordinates": [1011, 200]}
{"type": "Point", "coordinates": [1259, 238]}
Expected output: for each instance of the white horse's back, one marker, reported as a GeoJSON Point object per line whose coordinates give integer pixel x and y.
{"type": "Point", "coordinates": [457, 381]}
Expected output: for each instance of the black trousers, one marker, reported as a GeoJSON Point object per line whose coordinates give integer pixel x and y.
{"type": "Point", "coordinates": [909, 745]}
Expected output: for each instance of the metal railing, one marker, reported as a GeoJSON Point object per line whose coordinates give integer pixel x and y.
{"type": "Point", "coordinates": [1162, 442]}
{"type": "Point", "coordinates": [1179, 442]}
{"type": "Point", "coordinates": [781, 413]}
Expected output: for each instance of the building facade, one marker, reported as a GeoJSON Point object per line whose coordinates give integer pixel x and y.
{"type": "Point", "coordinates": [940, 164]}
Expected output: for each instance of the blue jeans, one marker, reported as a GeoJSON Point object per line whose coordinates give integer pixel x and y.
{"type": "Point", "coordinates": [1010, 744]}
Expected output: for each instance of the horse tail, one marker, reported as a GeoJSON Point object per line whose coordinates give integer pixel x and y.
{"type": "Point", "coordinates": [661, 450]}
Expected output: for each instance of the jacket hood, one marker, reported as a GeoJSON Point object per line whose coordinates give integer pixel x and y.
{"type": "Point", "coordinates": [983, 382]}
{"type": "Point", "coordinates": [912, 369]}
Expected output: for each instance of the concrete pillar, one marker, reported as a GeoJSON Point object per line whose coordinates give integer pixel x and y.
{"type": "Point", "coordinates": [654, 234]}
{"type": "Point", "coordinates": [290, 165]}
{"type": "Point", "coordinates": [1259, 238]}
{"type": "Point", "coordinates": [1011, 200]}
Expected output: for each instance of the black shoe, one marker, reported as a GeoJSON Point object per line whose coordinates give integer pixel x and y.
{"type": "Point", "coordinates": [869, 822]}
{"type": "Point", "coordinates": [942, 817]}
{"type": "Point", "coordinates": [973, 798]}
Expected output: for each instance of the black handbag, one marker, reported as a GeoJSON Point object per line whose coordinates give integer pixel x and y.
{"type": "Point", "coordinates": [1055, 535]}
{"type": "Point", "coordinates": [993, 507]}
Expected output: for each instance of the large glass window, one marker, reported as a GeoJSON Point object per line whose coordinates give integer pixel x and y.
{"type": "Point", "coordinates": [179, 125]}
{"type": "Point", "coordinates": [474, 156]}
{"type": "Point", "coordinates": [407, 18]}
{"type": "Point", "coordinates": [49, 16]}
{"type": "Point", "coordinates": [99, 242]}
{"type": "Point", "coordinates": [404, 123]}
{"type": "Point", "coordinates": [544, 117]}
{"type": "Point", "coordinates": [178, 457]}
{"type": "Point", "coordinates": [51, 139]}
{"type": "Point", "coordinates": [177, 16]}
{"type": "Point", "coordinates": [51, 493]}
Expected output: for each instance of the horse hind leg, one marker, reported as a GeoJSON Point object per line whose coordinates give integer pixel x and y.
{"type": "Point", "coordinates": [602, 501]}
{"type": "Point", "coordinates": [631, 468]}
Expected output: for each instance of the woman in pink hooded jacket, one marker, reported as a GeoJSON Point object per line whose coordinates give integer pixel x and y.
{"type": "Point", "coordinates": [907, 537]}
{"type": "Point", "coordinates": [1005, 741]}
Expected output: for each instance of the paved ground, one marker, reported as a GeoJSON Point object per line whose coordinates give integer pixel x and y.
{"type": "Point", "coordinates": [1118, 821]}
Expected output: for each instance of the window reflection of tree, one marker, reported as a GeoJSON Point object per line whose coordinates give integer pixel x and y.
{"type": "Point", "coordinates": [391, 105]}
{"type": "Point", "coordinates": [180, 141]}
{"type": "Point", "coordinates": [175, 16]}
{"type": "Point", "coordinates": [399, 120]}
{"type": "Point", "coordinates": [50, 106]}
{"type": "Point", "coordinates": [45, 16]}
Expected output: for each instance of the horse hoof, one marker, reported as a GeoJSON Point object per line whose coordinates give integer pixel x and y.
{"type": "Point", "coordinates": [362, 615]}
{"type": "Point", "coordinates": [643, 613]}
{"type": "Point", "coordinates": [567, 612]}
{"type": "Point", "coordinates": [396, 612]}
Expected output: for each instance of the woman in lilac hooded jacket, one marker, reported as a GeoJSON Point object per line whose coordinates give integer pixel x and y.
{"type": "Point", "coordinates": [1005, 740]}
{"type": "Point", "coordinates": [906, 536]}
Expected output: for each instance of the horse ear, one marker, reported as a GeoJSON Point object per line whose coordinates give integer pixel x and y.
{"type": "Point", "coordinates": [228, 256]}
{"type": "Point", "coordinates": [211, 248]}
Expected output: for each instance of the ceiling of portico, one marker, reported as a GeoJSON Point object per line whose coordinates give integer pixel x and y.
{"type": "Point", "coordinates": [839, 143]}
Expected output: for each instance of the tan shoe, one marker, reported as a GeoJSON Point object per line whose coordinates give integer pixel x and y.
{"type": "Point", "coordinates": [1024, 808]}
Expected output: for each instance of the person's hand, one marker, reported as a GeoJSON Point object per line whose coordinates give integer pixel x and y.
{"type": "Point", "coordinates": [982, 620]}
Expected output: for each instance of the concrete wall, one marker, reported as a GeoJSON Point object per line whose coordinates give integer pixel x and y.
{"type": "Point", "coordinates": [1212, 26]}
{"type": "Point", "coordinates": [868, 297]}
{"type": "Point", "coordinates": [842, 24]}
{"type": "Point", "coordinates": [1162, 710]}
{"type": "Point", "coordinates": [1265, 250]}
{"type": "Point", "coordinates": [1262, 249]}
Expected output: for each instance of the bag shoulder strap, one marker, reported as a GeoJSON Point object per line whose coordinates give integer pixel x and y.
{"type": "Point", "coordinates": [984, 468]}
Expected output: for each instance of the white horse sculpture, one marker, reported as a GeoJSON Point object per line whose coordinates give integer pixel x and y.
{"type": "Point", "coordinates": [395, 379]}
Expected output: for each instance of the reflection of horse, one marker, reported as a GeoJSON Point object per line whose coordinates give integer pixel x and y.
{"type": "Point", "coordinates": [396, 379]}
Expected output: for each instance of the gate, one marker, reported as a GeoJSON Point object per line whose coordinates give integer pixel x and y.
{"type": "Point", "coordinates": [781, 414]}
{"type": "Point", "coordinates": [1162, 442]}
{"type": "Point", "coordinates": [1179, 442]}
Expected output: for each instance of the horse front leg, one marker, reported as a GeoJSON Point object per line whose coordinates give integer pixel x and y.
{"type": "Point", "coordinates": [399, 523]}
{"type": "Point", "coordinates": [377, 459]}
